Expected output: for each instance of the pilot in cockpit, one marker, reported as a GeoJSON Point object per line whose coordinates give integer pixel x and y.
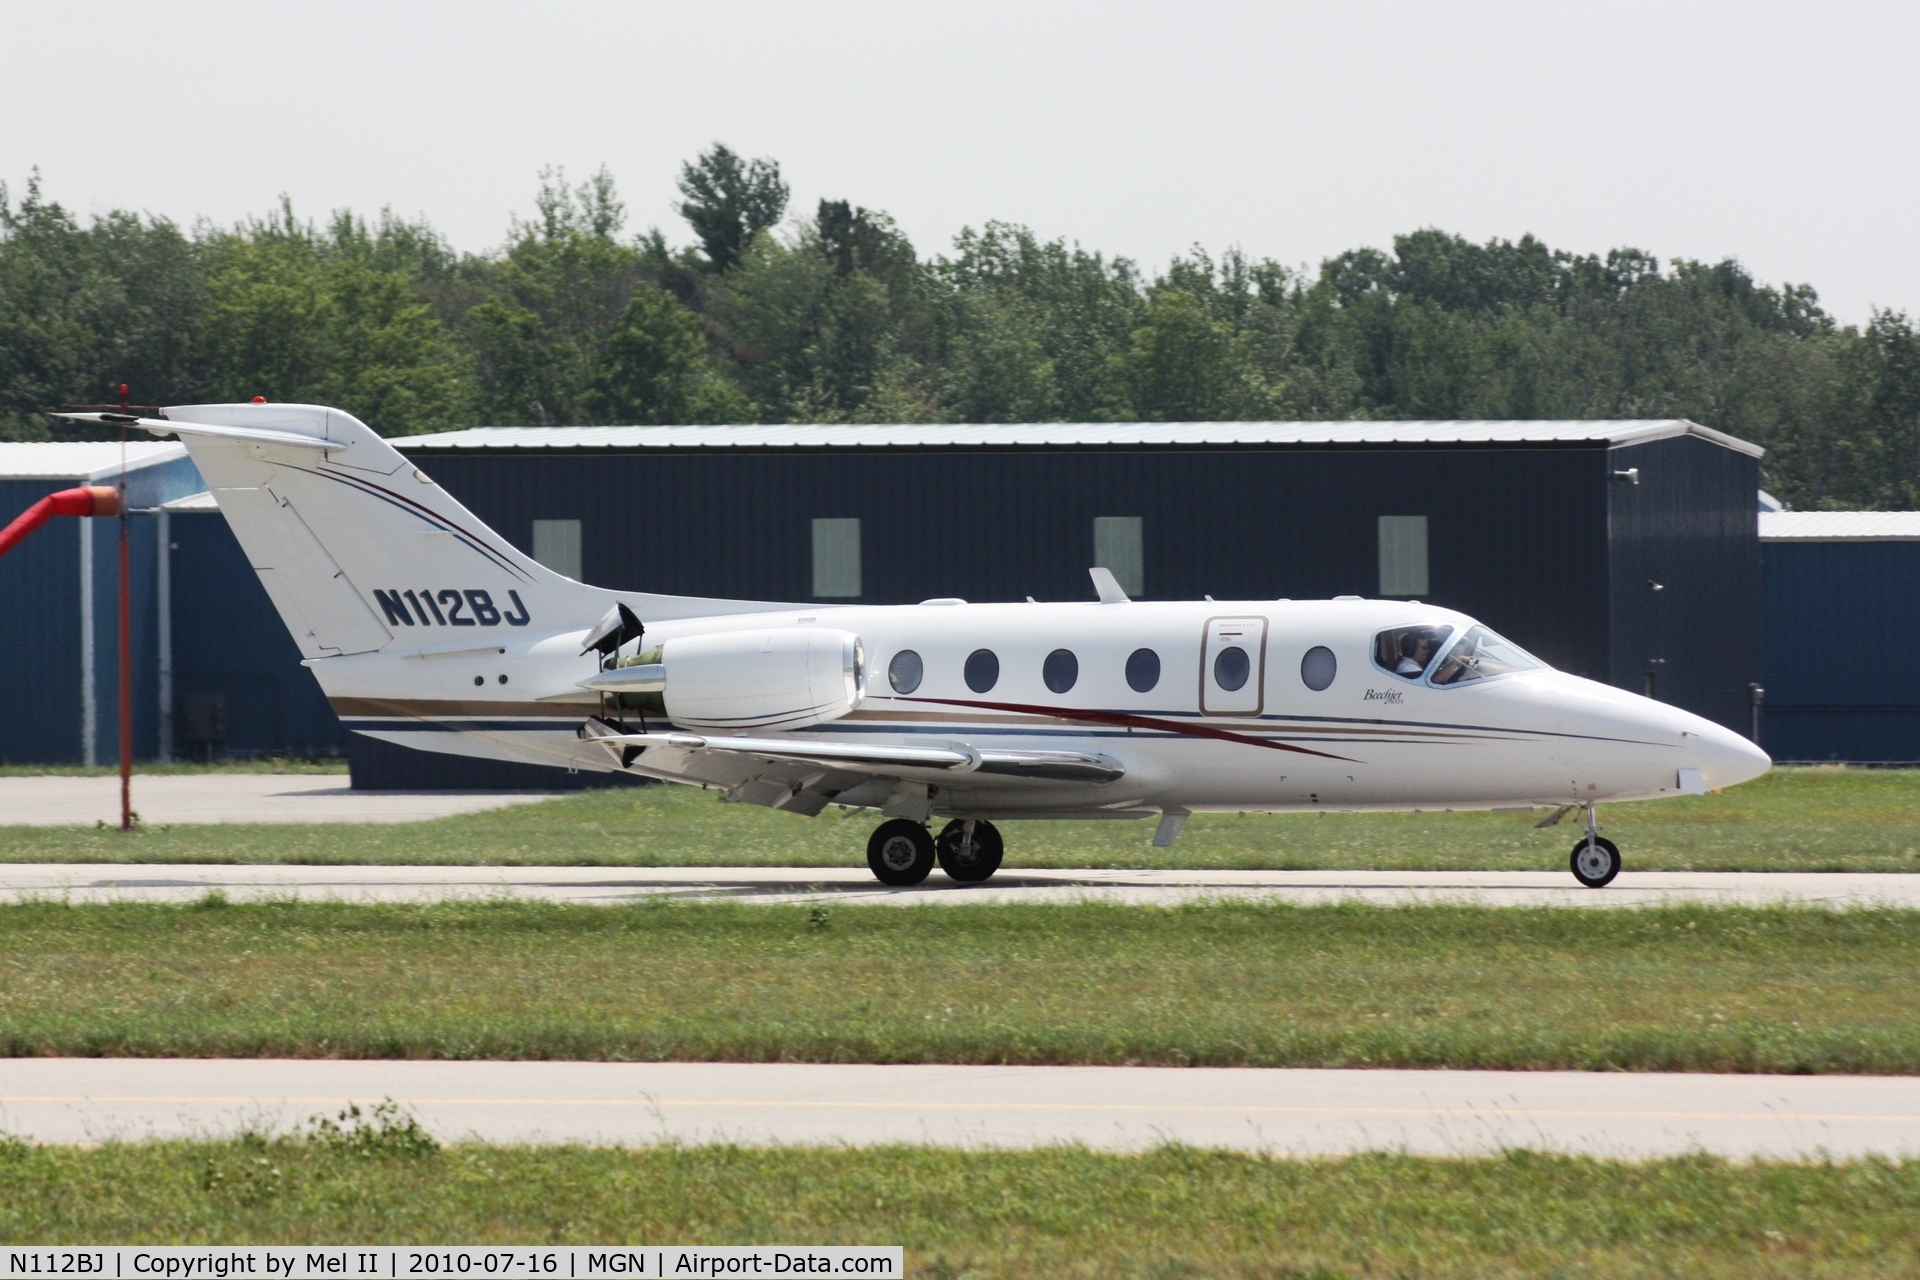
{"type": "Point", "coordinates": [1416, 651]}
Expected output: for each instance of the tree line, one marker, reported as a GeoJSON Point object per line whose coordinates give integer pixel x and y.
{"type": "Point", "coordinates": [836, 317]}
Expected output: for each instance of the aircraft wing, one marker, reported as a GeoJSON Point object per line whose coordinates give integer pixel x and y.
{"type": "Point", "coordinates": [804, 774]}
{"type": "Point", "coordinates": [857, 756]}
{"type": "Point", "coordinates": [1054, 766]}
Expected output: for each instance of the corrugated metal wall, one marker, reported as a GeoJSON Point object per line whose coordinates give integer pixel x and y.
{"type": "Point", "coordinates": [141, 545]}
{"type": "Point", "coordinates": [39, 634]}
{"type": "Point", "coordinates": [228, 641]}
{"type": "Point", "coordinates": [41, 699]}
{"type": "Point", "coordinates": [1691, 526]}
{"type": "Point", "coordinates": [1842, 626]}
{"type": "Point", "coordinates": [234, 662]}
{"type": "Point", "coordinates": [1512, 531]}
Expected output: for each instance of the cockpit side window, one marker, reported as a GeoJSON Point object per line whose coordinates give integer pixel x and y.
{"type": "Point", "coordinates": [1408, 651]}
{"type": "Point", "coordinates": [1481, 655]}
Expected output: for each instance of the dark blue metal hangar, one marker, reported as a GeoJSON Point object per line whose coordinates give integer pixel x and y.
{"type": "Point", "coordinates": [1842, 606]}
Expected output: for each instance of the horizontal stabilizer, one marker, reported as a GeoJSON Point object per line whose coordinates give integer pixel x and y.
{"type": "Point", "coordinates": [253, 435]}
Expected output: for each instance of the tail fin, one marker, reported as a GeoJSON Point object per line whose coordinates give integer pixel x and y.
{"type": "Point", "coordinates": [359, 548]}
{"type": "Point", "coordinates": [355, 545]}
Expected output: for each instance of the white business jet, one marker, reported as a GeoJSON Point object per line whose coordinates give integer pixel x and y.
{"type": "Point", "coordinates": [427, 629]}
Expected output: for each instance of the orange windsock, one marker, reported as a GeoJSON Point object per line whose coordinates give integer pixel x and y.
{"type": "Point", "coordinates": [89, 500]}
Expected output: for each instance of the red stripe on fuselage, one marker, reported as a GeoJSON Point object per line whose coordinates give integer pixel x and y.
{"type": "Point", "coordinates": [1134, 722]}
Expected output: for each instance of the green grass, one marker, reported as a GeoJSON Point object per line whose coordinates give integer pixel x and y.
{"type": "Point", "coordinates": [1172, 1212]}
{"type": "Point", "coordinates": [1823, 819]}
{"type": "Point", "coordinates": [1226, 984]}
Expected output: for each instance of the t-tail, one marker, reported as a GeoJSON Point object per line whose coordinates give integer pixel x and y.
{"type": "Point", "coordinates": [361, 551]}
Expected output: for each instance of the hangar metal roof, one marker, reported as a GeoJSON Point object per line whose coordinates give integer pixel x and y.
{"type": "Point", "coordinates": [1077, 435]}
{"type": "Point", "coordinates": [1840, 526]}
{"type": "Point", "coordinates": [80, 459]}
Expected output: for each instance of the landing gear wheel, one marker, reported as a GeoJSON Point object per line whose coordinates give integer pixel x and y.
{"type": "Point", "coordinates": [1596, 865]}
{"type": "Point", "coordinates": [900, 853]}
{"type": "Point", "coordinates": [970, 858]}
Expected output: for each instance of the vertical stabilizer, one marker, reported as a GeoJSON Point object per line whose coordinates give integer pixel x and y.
{"type": "Point", "coordinates": [357, 547]}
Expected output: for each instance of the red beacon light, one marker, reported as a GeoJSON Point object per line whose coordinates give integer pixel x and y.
{"type": "Point", "coordinates": [259, 400]}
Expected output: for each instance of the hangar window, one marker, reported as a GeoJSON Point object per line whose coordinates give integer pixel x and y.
{"type": "Point", "coordinates": [1231, 668]}
{"type": "Point", "coordinates": [982, 670]}
{"type": "Point", "coordinates": [1409, 651]}
{"type": "Point", "coordinates": [836, 559]}
{"type": "Point", "coordinates": [1143, 670]}
{"type": "Point", "coordinates": [1481, 655]}
{"type": "Point", "coordinates": [1060, 670]}
{"type": "Point", "coordinates": [1403, 555]}
{"type": "Point", "coordinates": [904, 672]}
{"type": "Point", "coordinates": [1317, 668]}
{"type": "Point", "coordinates": [1119, 546]}
{"type": "Point", "coordinates": [556, 544]}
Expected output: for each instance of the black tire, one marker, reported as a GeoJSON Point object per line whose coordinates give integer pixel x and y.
{"type": "Point", "coordinates": [1601, 868]}
{"type": "Point", "coordinates": [900, 853]}
{"type": "Point", "coordinates": [972, 861]}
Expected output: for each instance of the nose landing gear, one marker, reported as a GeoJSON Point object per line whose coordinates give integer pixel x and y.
{"type": "Point", "coordinates": [1596, 859]}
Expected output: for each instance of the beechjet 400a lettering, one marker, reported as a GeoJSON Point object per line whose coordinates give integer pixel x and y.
{"type": "Point", "coordinates": [427, 629]}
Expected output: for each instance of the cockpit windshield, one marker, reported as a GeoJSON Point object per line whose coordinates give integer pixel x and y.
{"type": "Point", "coordinates": [1481, 655]}
{"type": "Point", "coordinates": [1409, 651]}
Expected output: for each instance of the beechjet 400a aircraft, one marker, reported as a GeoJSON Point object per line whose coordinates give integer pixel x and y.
{"type": "Point", "coordinates": [427, 629]}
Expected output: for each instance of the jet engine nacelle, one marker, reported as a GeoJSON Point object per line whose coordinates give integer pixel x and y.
{"type": "Point", "coordinates": [784, 679]}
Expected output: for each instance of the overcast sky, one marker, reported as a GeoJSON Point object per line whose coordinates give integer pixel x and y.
{"type": "Point", "coordinates": [1784, 135]}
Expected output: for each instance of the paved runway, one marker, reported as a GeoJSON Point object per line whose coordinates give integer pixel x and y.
{"type": "Point", "coordinates": [159, 882]}
{"type": "Point", "coordinates": [61, 801]}
{"type": "Point", "coordinates": [1114, 1108]}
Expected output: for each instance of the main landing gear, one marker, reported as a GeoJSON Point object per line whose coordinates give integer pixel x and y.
{"type": "Point", "coordinates": [1596, 859]}
{"type": "Point", "coordinates": [902, 852]}
{"type": "Point", "coordinates": [970, 851]}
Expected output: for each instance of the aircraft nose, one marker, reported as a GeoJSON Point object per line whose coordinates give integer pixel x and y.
{"type": "Point", "coordinates": [1723, 757]}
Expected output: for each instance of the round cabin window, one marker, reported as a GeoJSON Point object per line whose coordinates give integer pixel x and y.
{"type": "Point", "coordinates": [1143, 670]}
{"type": "Point", "coordinates": [904, 672]}
{"type": "Point", "coordinates": [1060, 670]}
{"type": "Point", "coordinates": [982, 670]}
{"type": "Point", "coordinates": [1231, 667]}
{"type": "Point", "coordinates": [1318, 667]}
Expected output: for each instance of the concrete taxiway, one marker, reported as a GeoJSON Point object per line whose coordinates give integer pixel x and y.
{"type": "Point", "coordinates": [1297, 1112]}
{"type": "Point", "coordinates": [156, 882]}
{"type": "Point", "coordinates": [61, 801]}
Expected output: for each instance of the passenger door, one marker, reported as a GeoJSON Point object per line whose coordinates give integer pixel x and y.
{"type": "Point", "coordinates": [1233, 667]}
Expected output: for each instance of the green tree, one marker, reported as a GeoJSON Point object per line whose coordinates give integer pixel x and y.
{"type": "Point", "coordinates": [1872, 438]}
{"type": "Point", "coordinates": [1061, 311]}
{"type": "Point", "coordinates": [653, 368]}
{"type": "Point", "coordinates": [550, 302]}
{"type": "Point", "coordinates": [1181, 366]}
{"type": "Point", "coordinates": [84, 309]}
{"type": "Point", "coordinates": [728, 201]}
{"type": "Point", "coordinates": [818, 325]}
{"type": "Point", "coordinates": [297, 315]}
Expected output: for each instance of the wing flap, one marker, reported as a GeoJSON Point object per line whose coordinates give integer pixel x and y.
{"type": "Point", "coordinates": [861, 756]}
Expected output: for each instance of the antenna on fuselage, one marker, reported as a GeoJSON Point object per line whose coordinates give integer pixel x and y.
{"type": "Point", "coordinates": [1109, 587]}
